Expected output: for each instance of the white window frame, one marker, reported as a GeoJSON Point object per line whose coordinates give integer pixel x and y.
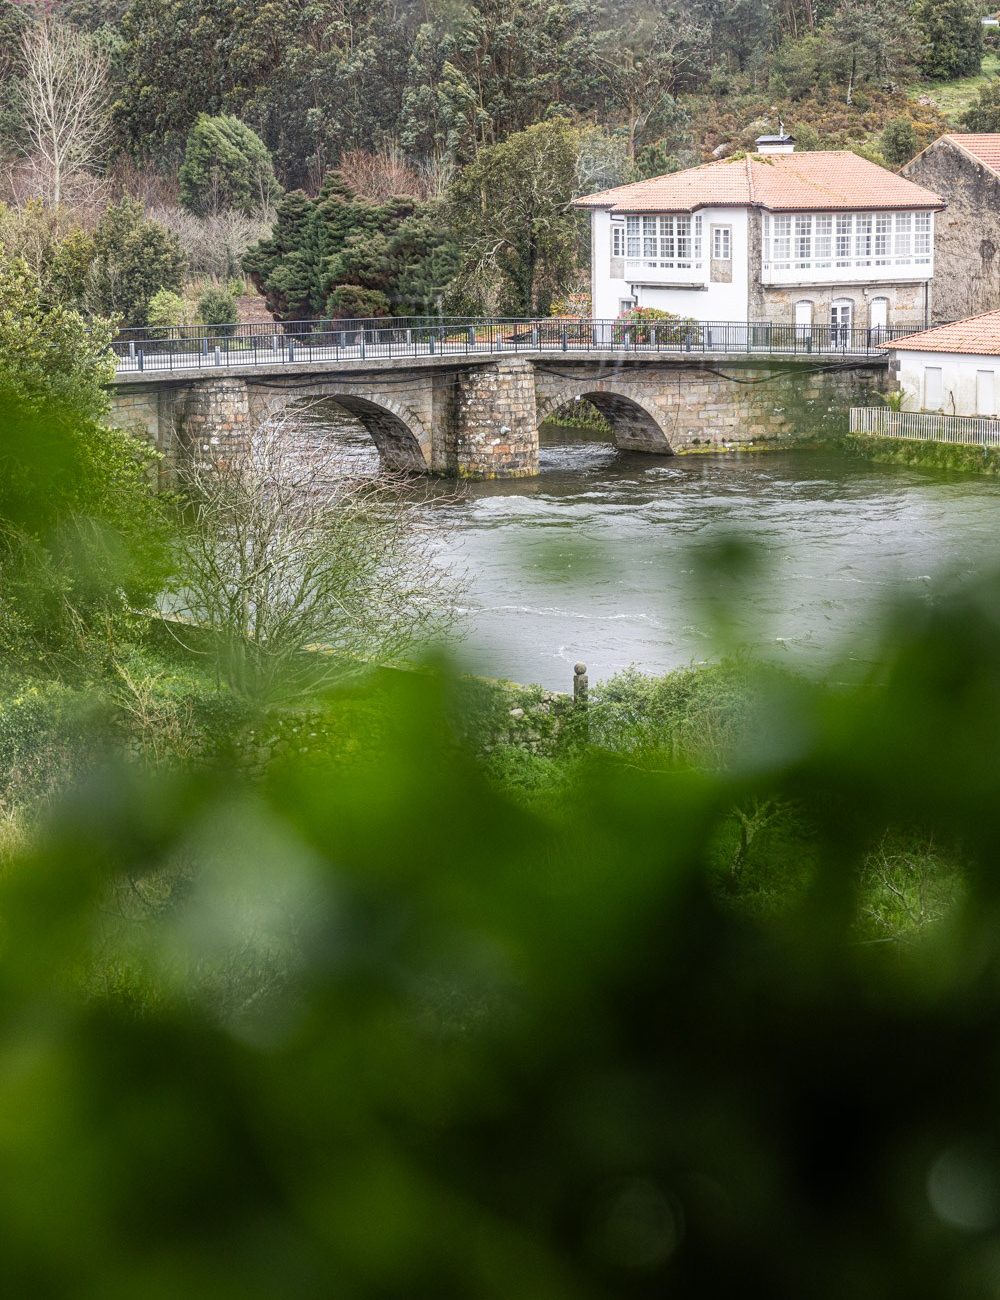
{"type": "Point", "coordinates": [617, 238]}
{"type": "Point", "coordinates": [722, 243]}
{"type": "Point", "coordinates": [841, 329]}
{"type": "Point", "coordinates": [805, 241]}
{"type": "Point", "coordinates": [933, 388]}
{"type": "Point", "coordinates": [670, 241]}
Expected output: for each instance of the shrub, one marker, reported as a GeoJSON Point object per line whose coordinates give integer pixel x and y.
{"type": "Point", "coordinates": [899, 142]}
{"type": "Point", "coordinates": [217, 308]}
{"type": "Point", "coordinates": [166, 310]}
{"type": "Point", "coordinates": [351, 302]}
{"type": "Point", "coordinates": [984, 115]}
{"type": "Point", "coordinates": [651, 325]}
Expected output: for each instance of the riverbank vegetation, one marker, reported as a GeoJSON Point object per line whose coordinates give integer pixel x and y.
{"type": "Point", "coordinates": [925, 454]}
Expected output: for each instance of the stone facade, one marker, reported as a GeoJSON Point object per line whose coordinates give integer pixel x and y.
{"type": "Point", "coordinates": [480, 419]}
{"type": "Point", "coordinates": [908, 304]}
{"type": "Point", "coordinates": [967, 233]}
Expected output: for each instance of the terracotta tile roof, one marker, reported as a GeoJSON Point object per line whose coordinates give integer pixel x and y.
{"type": "Point", "coordinates": [984, 148]}
{"type": "Point", "coordinates": [979, 335]}
{"type": "Point", "coordinates": [823, 181]}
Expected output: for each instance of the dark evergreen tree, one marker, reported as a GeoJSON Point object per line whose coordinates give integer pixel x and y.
{"type": "Point", "coordinates": [951, 33]}
{"type": "Point", "coordinates": [133, 258]}
{"type": "Point", "coordinates": [226, 165]}
{"type": "Point", "coordinates": [342, 255]}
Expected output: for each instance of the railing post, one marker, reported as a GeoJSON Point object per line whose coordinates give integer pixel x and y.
{"type": "Point", "coordinates": [291, 348]}
{"type": "Point", "coordinates": [141, 356]}
{"type": "Point", "coordinates": [534, 337]}
{"type": "Point", "coordinates": [430, 343]}
{"type": "Point", "coordinates": [564, 339]}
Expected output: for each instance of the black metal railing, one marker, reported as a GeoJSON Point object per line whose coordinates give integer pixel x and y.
{"type": "Point", "coordinates": [187, 347]}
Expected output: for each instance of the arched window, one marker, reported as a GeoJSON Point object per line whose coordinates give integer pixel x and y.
{"type": "Point", "coordinates": [878, 317]}
{"type": "Point", "coordinates": [803, 319]}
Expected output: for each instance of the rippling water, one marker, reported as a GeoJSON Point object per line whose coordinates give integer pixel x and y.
{"type": "Point", "coordinates": [611, 557]}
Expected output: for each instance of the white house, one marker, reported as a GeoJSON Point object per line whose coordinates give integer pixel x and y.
{"type": "Point", "coordinates": [823, 238]}
{"type": "Point", "coordinates": [953, 369]}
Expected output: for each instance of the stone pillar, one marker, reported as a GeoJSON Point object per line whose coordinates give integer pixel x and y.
{"type": "Point", "coordinates": [214, 412]}
{"type": "Point", "coordinates": [495, 430]}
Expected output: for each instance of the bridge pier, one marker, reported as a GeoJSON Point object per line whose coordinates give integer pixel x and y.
{"type": "Point", "coordinates": [214, 413]}
{"type": "Point", "coordinates": [494, 430]}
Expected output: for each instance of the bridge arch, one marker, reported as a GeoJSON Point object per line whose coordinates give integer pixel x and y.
{"type": "Point", "coordinates": [636, 423]}
{"type": "Point", "coordinates": [400, 435]}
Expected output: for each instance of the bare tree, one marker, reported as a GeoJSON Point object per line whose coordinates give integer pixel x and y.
{"type": "Point", "coordinates": [64, 100]}
{"type": "Point", "coordinates": [215, 244]}
{"type": "Point", "coordinates": [303, 569]}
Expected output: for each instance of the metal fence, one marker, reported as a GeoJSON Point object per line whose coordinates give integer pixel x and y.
{"type": "Point", "coordinates": [187, 347]}
{"type": "Point", "coordinates": [881, 422]}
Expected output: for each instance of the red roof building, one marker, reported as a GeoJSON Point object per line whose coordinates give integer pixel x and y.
{"type": "Point", "coordinates": [812, 238]}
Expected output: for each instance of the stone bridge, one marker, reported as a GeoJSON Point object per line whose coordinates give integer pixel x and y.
{"type": "Point", "coordinates": [478, 417]}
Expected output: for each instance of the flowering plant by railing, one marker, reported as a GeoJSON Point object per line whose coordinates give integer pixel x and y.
{"type": "Point", "coordinates": [651, 325]}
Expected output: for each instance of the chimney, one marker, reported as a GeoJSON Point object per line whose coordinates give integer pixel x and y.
{"type": "Point", "coordinates": [780, 143]}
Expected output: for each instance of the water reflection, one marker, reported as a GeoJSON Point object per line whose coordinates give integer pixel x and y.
{"type": "Point", "coordinates": [608, 556]}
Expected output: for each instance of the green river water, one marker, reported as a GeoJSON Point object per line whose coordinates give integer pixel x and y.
{"type": "Point", "coordinates": [613, 557]}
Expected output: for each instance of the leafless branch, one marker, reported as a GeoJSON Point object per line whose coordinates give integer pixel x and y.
{"type": "Point", "coordinates": [64, 97]}
{"type": "Point", "coordinates": [289, 551]}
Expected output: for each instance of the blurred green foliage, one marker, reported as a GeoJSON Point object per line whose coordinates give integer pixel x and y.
{"type": "Point", "coordinates": [83, 535]}
{"type": "Point", "coordinates": [369, 1024]}
{"type": "Point", "coordinates": [439, 989]}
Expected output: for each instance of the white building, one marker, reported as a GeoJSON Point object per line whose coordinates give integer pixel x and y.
{"type": "Point", "coordinates": [952, 369]}
{"type": "Point", "coordinates": [824, 238]}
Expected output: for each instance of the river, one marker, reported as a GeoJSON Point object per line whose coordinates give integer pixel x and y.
{"type": "Point", "coordinates": [613, 557]}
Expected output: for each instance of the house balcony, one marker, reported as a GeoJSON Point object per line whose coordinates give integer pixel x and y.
{"type": "Point", "coordinates": [672, 275]}
{"type": "Point", "coordinates": [853, 272]}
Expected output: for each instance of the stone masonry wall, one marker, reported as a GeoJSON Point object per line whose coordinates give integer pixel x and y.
{"type": "Point", "coordinates": [493, 429]}
{"type": "Point", "coordinates": [214, 413]}
{"type": "Point", "coordinates": [486, 416]}
{"type": "Point", "coordinates": [715, 406]}
{"type": "Point", "coordinates": [967, 233]}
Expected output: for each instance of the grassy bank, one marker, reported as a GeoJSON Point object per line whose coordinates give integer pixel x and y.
{"type": "Point", "coordinates": [921, 454]}
{"type": "Point", "coordinates": [160, 713]}
{"type": "Point", "coordinates": [952, 98]}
